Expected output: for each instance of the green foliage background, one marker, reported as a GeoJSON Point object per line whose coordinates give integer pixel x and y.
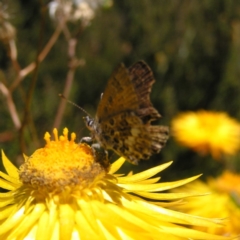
{"type": "Point", "coordinates": [193, 48]}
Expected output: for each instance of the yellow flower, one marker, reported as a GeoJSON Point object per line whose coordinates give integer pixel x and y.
{"type": "Point", "coordinates": [228, 182]}
{"type": "Point", "coordinates": [224, 202]}
{"type": "Point", "coordinates": [62, 192]}
{"type": "Point", "coordinates": [204, 131]}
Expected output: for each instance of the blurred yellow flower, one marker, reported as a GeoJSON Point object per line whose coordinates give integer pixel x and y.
{"type": "Point", "coordinates": [228, 182]}
{"type": "Point", "coordinates": [223, 201]}
{"type": "Point", "coordinates": [207, 132]}
{"type": "Point", "coordinates": [62, 192]}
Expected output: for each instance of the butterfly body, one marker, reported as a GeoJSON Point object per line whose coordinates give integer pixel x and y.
{"type": "Point", "coordinates": [124, 115]}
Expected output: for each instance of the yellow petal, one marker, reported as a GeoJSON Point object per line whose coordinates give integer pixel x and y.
{"type": "Point", "coordinates": [145, 174]}
{"type": "Point", "coordinates": [10, 179]}
{"type": "Point", "coordinates": [8, 185]}
{"type": "Point", "coordinates": [116, 165]}
{"type": "Point", "coordinates": [12, 221]}
{"type": "Point", "coordinates": [67, 221]}
{"type": "Point", "coordinates": [158, 186]}
{"type": "Point", "coordinates": [28, 221]}
{"type": "Point", "coordinates": [10, 168]}
{"type": "Point", "coordinates": [189, 233]}
{"type": "Point", "coordinates": [167, 196]}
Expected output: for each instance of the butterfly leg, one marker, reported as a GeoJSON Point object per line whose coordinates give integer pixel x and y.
{"type": "Point", "coordinates": [101, 155]}
{"type": "Point", "coordinates": [87, 140]}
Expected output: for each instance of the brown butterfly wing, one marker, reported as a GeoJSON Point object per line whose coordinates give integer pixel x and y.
{"type": "Point", "coordinates": [129, 137]}
{"type": "Point", "coordinates": [119, 95]}
{"type": "Point", "coordinates": [143, 79]}
{"type": "Point", "coordinates": [125, 113]}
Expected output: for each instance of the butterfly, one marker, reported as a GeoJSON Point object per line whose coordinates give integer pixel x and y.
{"type": "Point", "coordinates": [124, 115]}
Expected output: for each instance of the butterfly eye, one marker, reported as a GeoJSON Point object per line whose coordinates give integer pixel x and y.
{"type": "Point", "coordinates": [89, 122]}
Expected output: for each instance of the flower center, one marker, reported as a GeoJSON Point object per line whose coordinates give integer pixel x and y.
{"type": "Point", "coordinates": [61, 164]}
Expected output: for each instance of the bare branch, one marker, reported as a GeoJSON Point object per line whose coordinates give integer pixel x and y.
{"type": "Point", "coordinates": [11, 106]}
{"type": "Point", "coordinates": [24, 72]}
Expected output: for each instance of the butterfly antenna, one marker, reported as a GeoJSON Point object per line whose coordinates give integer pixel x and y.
{"type": "Point", "coordinates": [74, 104]}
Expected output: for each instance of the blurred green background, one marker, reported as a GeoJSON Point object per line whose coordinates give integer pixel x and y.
{"type": "Point", "coordinates": [193, 48]}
